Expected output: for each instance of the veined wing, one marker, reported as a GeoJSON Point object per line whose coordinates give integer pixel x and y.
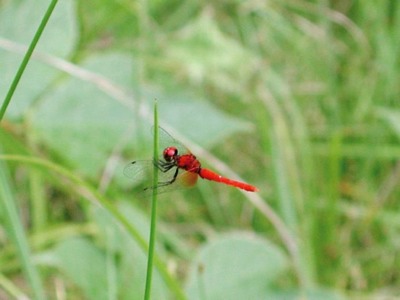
{"type": "Point", "coordinates": [141, 171]}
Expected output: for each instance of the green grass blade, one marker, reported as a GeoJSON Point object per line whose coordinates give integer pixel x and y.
{"type": "Point", "coordinates": [8, 286]}
{"type": "Point", "coordinates": [91, 193]}
{"type": "Point", "coordinates": [153, 210]}
{"type": "Point", "coordinates": [27, 56]}
{"type": "Point", "coordinates": [16, 233]}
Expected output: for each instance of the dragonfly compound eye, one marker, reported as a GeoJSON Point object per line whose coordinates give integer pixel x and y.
{"type": "Point", "coordinates": [170, 153]}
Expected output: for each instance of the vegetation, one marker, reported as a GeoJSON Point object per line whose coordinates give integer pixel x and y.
{"type": "Point", "coordinates": [300, 98]}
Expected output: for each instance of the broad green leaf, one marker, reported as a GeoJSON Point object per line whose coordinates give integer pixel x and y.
{"type": "Point", "coordinates": [199, 120]}
{"type": "Point", "coordinates": [84, 124]}
{"type": "Point", "coordinates": [84, 264]}
{"type": "Point", "coordinates": [236, 267]}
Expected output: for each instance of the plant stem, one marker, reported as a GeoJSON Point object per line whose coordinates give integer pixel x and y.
{"type": "Point", "coordinates": [153, 209]}
{"type": "Point", "coordinates": [17, 234]}
{"type": "Point", "coordinates": [88, 192]}
{"type": "Point", "coordinates": [27, 56]}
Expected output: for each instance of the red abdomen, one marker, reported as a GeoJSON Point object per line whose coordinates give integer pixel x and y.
{"type": "Point", "coordinates": [210, 175]}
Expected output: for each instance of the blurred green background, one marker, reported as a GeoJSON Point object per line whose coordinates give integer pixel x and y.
{"type": "Point", "coordinates": [300, 98]}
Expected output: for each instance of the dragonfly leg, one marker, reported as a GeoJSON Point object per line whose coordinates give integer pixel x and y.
{"type": "Point", "coordinates": [169, 181]}
{"type": "Point", "coordinates": [164, 167]}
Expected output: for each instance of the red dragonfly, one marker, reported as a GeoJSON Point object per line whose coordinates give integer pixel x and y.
{"type": "Point", "coordinates": [177, 166]}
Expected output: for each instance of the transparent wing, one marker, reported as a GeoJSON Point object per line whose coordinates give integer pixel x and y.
{"type": "Point", "coordinates": [141, 171]}
{"type": "Point", "coordinates": [166, 140]}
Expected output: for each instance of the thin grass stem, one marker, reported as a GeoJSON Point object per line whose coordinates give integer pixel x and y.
{"type": "Point", "coordinates": [153, 210]}
{"type": "Point", "coordinates": [17, 234]}
{"type": "Point", "coordinates": [26, 59]}
{"type": "Point", "coordinates": [92, 194]}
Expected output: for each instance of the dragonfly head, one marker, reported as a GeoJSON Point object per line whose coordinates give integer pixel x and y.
{"type": "Point", "coordinates": [170, 153]}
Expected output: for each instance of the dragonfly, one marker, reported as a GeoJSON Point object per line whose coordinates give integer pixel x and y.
{"type": "Point", "coordinates": [177, 167]}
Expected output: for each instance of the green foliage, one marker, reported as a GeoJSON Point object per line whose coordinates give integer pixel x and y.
{"type": "Point", "coordinates": [299, 97]}
{"type": "Point", "coordinates": [236, 267]}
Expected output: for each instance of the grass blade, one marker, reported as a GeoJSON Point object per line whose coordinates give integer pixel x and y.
{"type": "Point", "coordinates": [153, 210]}
{"type": "Point", "coordinates": [90, 193]}
{"type": "Point", "coordinates": [16, 232]}
{"type": "Point", "coordinates": [8, 286]}
{"type": "Point", "coordinates": [27, 56]}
